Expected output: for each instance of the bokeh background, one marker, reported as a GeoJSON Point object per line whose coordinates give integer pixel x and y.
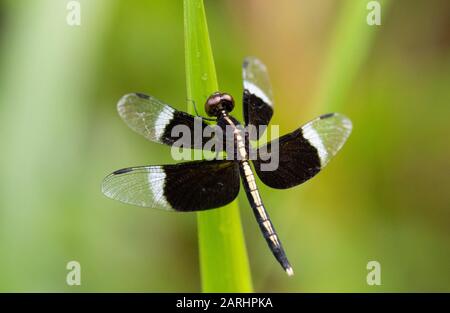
{"type": "Point", "coordinates": [385, 197]}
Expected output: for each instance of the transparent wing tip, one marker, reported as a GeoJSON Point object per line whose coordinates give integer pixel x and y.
{"type": "Point", "coordinates": [129, 99]}
{"type": "Point", "coordinates": [339, 119]}
{"type": "Point", "coordinates": [328, 134]}
{"type": "Point", "coordinates": [345, 122]}
{"type": "Point", "coordinates": [253, 61]}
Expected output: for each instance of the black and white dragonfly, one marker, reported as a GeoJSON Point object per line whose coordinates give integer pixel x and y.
{"type": "Point", "coordinates": [208, 184]}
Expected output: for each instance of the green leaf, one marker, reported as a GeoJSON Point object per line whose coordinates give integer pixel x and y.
{"type": "Point", "coordinates": [223, 257]}
{"type": "Point", "coordinates": [350, 46]}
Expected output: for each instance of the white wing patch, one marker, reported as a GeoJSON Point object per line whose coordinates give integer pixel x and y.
{"type": "Point", "coordinates": [156, 181]}
{"type": "Point", "coordinates": [163, 119]}
{"type": "Point", "coordinates": [254, 89]}
{"type": "Point", "coordinates": [316, 141]}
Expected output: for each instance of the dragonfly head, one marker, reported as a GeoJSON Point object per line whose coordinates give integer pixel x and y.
{"type": "Point", "coordinates": [219, 102]}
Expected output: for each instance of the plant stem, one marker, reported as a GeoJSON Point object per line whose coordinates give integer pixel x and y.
{"type": "Point", "coordinates": [223, 256]}
{"type": "Point", "coordinates": [350, 46]}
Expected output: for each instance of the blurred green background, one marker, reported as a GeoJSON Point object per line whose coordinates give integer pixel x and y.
{"type": "Point", "coordinates": [385, 197]}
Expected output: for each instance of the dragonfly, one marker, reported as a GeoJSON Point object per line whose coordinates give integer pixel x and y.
{"type": "Point", "coordinates": [208, 184]}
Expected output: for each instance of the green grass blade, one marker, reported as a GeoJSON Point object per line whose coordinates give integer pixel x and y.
{"type": "Point", "coordinates": [350, 47]}
{"type": "Point", "coordinates": [223, 257]}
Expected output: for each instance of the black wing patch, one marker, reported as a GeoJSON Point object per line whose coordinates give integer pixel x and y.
{"type": "Point", "coordinates": [257, 98]}
{"type": "Point", "coordinates": [190, 186]}
{"type": "Point", "coordinates": [302, 153]}
{"type": "Point", "coordinates": [157, 122]}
